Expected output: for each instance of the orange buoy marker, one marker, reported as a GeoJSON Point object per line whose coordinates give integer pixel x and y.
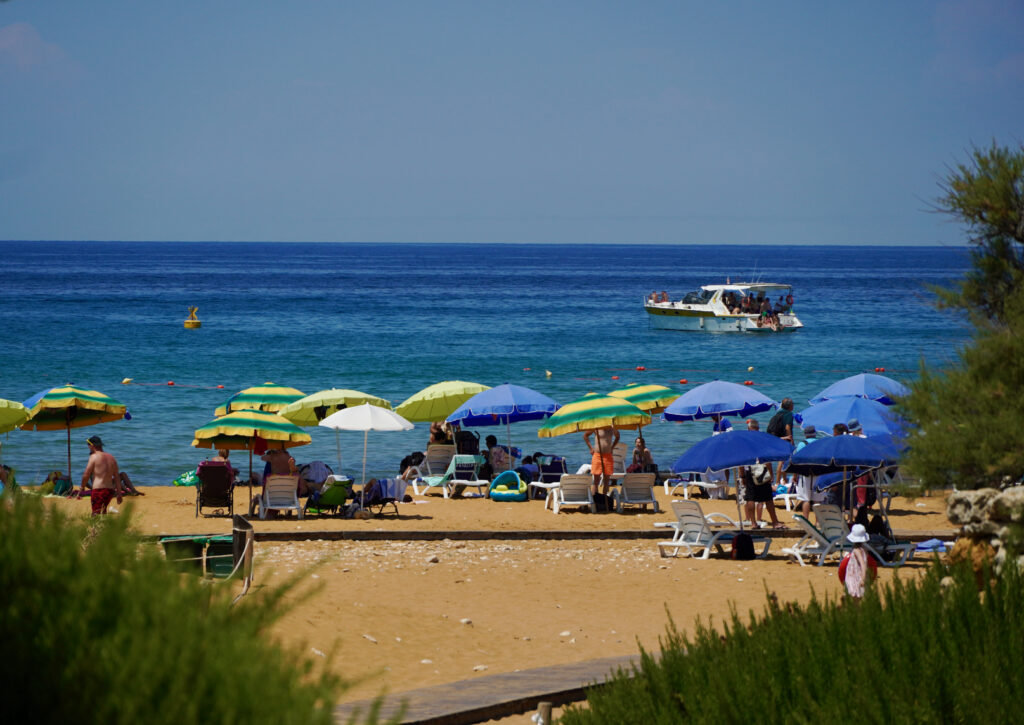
{"type": "Point", "coordinates": [170, 382]}
{"type": "Point", "coordinates": [192, 322]}
{"type": "Point", "coordinates": [640, 367]}
{"type": "Point", "coordinates": [748, 382]}
{"type": "Point", "coordinates": [683, 381]}
{"type": "Point", "coordinates": [615, 377]}
{"type": "Point", "coordinates": [220, 387]}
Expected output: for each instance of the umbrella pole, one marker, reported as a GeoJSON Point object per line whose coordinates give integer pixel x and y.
{"type": "Point", "coordinates": [251, 444]}
{"type": "Point", "coordinates": [508, 435]}
{"type": "Point", "coordinates": [362, 493]}
{"type": "Point", "coordinates": [337, 442]}
{"type": "Point", "coordinates": [69, 452]}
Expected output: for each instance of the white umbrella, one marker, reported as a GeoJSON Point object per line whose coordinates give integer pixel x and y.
{"type": "Point", "coordinates": [366, 417]}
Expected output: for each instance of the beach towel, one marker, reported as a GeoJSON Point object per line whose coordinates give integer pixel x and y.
{"type": "Point", "coordinates": [856, 572]}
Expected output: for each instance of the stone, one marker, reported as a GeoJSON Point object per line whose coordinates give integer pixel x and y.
{"type": "Point", "coordinates": [1008, 506]}
{"type": "Point", "coordinates": [433, 559]}
{"type": "Point", "coordinates": [969, 507]}
{"type": "Point", "coordinates": [370, 638]}
{"type": "Point", "coordinates": [467, 621]}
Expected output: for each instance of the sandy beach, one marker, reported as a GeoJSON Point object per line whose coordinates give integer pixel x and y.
{"type": "Point", "coordinates": [408, 614]}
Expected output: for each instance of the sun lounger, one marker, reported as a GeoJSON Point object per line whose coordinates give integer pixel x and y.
{"type": "Point", "coordinates": [693, 534]}
{"type": "Point", "coordinates": [636, 489]}
{"type": "Point", "coordinates": [280, 493]}
{"type": "Point", "coordinates": [331, 498]}
{"type": "Point", "coordinates": [574, 490]}
{"type": "Point", "coordinates": [812, 543]}
{"type": "Point", "coordinates": [833, 526]}
{"type": "Point", "coordinates": [383, 492]}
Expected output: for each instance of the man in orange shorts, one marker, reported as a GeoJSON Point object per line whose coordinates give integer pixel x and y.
{"type": "Point", "coordinates": [602, 463]}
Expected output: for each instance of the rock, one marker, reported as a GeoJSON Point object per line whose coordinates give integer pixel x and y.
{"type": "Point", "coordinates": [1008, 506]}
{"type": "Point", "coordinates": [433, 559]}
{"type": "Point", "coordinates": [566, 633]}
{"type": "Point", "coordinates": [969, 507]}
{"type": "Point", "coordinates": [467, 621]}
{"type": "Point", "coordinates": [426, 662]}
{"type": "Point", "coordinates": [371, 639]}
{"type": "Point", "coordinates": [479, 668]}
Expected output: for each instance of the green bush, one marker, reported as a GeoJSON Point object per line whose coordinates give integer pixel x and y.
{"type": "Point", "coordinates": [913, 652]}
{"type": "Point", "coordinates": [97, 627]}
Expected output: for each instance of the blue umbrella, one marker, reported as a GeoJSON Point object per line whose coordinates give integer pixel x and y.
{"type": "Point", "coordinates": [838, 453]}
{"type": "Point", "coordinates": [865, 385]}
{"type": "Point", "coordinates": [731, 449]}
{"type": "Point", "coordinates": [718, 397]}
{"type": "Point", "coordinates": [874, 417]}
{"type": "Point", "coordinates": [504, 404]}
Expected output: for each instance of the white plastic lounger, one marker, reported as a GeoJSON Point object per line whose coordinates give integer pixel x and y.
{"type": "Point", "coordinates": [280, 493]}
{"type": "Point", "coordinates": [637, 489]}
{"type": "Point", "coordinates": [694, 535]}
{"type": "Point", "coordinates": [574, 490]}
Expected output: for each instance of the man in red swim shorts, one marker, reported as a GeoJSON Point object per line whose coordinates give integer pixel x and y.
{"type": "Point", "coordinates": [602, 463]}
{"type": "Point", "coordinates": [102, 467]}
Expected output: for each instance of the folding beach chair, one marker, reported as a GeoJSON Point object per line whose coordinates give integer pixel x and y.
{"type": "Point", "coordinates": [215, 487]}
{"type": "Point", "coordinates": [382, 492]}
{"type": "Point", "coordinates": [280, 493]}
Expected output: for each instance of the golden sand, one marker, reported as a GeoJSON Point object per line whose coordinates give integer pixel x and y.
{"type": "Point", "coordinates": [400, 620]}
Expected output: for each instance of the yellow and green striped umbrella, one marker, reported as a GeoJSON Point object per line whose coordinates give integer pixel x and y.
{"type": "Point", "coordinates": [69, 407]}
{"type": "Point", "coordinates": [591, 412]}
{"type": "Point", "coordinates": [652, 398]}
{"type": "Point", "coordinates": [239, 430]}
{"type": "Point", "coordinates": [12, 415]}
{"type": "Point", "coordinates": [438, 401]}
{"type": "Point", "coordinates": [314, 408]}
{"type": "Point", "coordinates": [269, 396]}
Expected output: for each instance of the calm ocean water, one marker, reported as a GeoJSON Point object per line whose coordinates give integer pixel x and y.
{"type": "Point", "coordinates": [392, 319]}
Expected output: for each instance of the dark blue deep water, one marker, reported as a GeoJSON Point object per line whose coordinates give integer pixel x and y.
{"type": "Point", "coordinates": [391, 319]}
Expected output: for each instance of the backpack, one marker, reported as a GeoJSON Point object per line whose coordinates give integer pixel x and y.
{"type": "Point", "coordinates": [777, 426]}
{"type": "Point", "coordinates": [742, 546]}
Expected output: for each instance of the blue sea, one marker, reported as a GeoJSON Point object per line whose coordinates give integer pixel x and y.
{"type": "Point", "coordinates": [392, 319]}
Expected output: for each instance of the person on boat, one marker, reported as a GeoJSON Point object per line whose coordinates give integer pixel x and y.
{"type": "Point", "coordinates": [663, 297]}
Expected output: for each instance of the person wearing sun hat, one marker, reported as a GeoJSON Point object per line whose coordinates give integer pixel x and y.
{"type": "Point", "coordinates": [858, 568]}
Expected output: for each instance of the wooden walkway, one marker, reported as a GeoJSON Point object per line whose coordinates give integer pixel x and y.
{"type": "Point", "coordinates": [493, 696]}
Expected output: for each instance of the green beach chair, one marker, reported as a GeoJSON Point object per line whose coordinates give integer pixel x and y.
{"type": "Point", "coordinates": [332, 498]}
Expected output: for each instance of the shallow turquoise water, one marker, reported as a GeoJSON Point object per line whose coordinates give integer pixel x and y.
{"type": "Point", "coordinates": [391, 319]}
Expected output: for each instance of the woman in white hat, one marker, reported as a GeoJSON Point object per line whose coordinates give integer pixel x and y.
{"type": "Point", "coordinates": [857, 569]}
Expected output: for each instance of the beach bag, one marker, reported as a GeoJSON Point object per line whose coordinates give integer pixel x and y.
{"type": "Point", "coordinates": [742, 546]}
{"type": "Point", "coordinates": [603, 502]}
{"type": "Point", "coordinates": [777, 426]}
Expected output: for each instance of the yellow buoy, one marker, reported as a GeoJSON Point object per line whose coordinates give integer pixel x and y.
{"type": "Point", "coordinates": [192, 322]}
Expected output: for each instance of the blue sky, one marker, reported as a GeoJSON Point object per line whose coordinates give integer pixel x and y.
{"type": "Point", "coordinates": [683, 122]}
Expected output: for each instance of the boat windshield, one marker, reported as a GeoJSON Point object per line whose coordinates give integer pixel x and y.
{"type": "Point", "coordinates": [699, 297]}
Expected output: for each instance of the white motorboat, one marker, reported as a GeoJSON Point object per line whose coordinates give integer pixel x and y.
{"type": "Point", "coordinates": [730, 307]}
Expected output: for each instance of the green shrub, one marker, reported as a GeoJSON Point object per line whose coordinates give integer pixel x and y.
{"type": "Point", "coordinates": [912, 652]}
{"type": "Point", "coordinates": [97, 627]}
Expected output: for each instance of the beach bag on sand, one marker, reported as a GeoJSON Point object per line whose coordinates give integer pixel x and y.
{"type": "Point", "coordinates": [742, 546]}
{"type": "Point", "coordinates": [603, 502]}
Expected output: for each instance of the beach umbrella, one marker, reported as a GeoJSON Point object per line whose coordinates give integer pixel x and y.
{"type": "Point", "coordinates": [242, 429]}
{"type": "Point", "coordinates": [865, 385]}
{"type": "Point", "coordinates": [731, 449]}
{"type": "Point", "coordinates": [269, 397]}
{"type": "Point", "coordinates": [718, 397]}
{"type": "Point", "coordinates": [69, 407]}
{"type": "Point", "coordinates": [366, 417]}
{"type": "Point", "coordinates": [652, 398]}
{"type": "Point", "coordinates": [874, 417]}
{"type": "Point", "coordinates": [591, 412]}
{"type": "Point", "coordinates": [12, 415]}
{"type": "Point", "coordinates": [438, 401]}
{"type": "Point", "coordinates": [838, 453]}
{"type": "Point", "coordinates": [504, 404]}
{"type": "Point", "coordinates": [314, 408]}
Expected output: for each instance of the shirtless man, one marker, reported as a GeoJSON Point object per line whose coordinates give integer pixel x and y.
{"type": "Point", "coordinates": [106, 482]}
{"type": "Point", "coordinates": [602, 463]}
